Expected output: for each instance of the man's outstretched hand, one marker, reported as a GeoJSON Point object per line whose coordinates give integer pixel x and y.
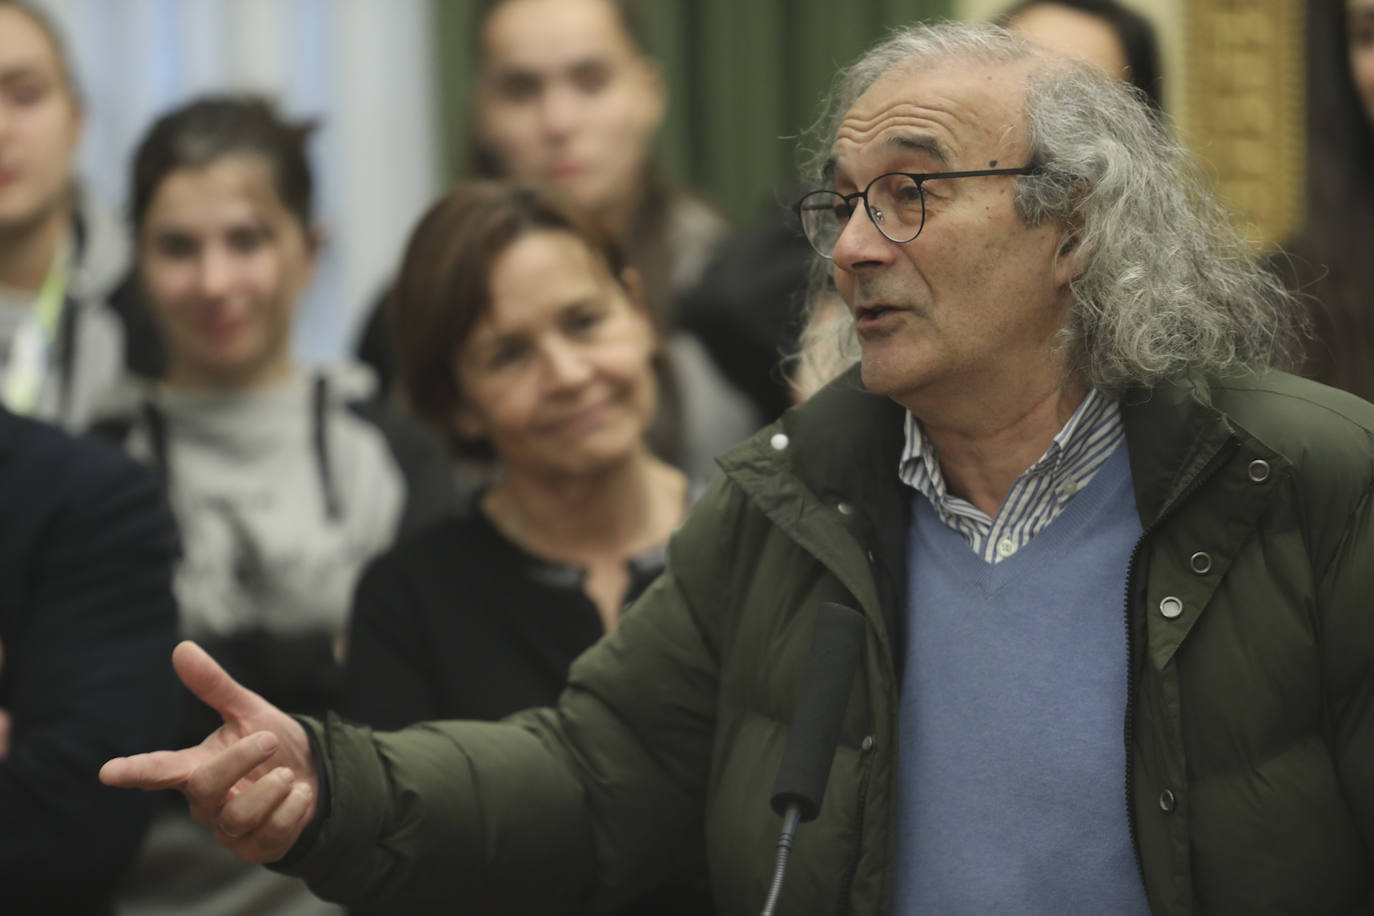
{"type": "Point", "coordinates": [252, 781]}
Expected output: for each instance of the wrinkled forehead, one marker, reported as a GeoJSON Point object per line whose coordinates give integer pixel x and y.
{"type": "Point", "coordinates": [951, 115]}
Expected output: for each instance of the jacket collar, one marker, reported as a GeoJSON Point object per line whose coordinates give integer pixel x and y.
{"type": "Point", "coordinates": [826, 474]}
{"type": "Point", "coordinates": [1172, 434]}
{"type": "Point", "coordinates": [845, 444]}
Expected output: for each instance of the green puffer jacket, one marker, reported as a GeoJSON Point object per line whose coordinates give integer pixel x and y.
{"type": "Point", "coordinates": [1250, 613]}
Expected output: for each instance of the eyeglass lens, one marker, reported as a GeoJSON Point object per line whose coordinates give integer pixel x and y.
{"type": "Point", "coordinates": [896, 204]}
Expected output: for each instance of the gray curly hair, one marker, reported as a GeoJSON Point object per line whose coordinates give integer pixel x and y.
{"type": "Point", "coordinates": [1169, 286]}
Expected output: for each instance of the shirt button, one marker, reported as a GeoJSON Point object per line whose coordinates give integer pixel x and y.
{"type": "Point", "coordinates": [1069, 488]}
{"type": "Point", "coordinates": [867, 743]}
{"type": "Point", "coordinates": [779, 441]}
{"type": "Point", "coordinates": [1171, 607]}
{"type": "Point", "coordinates": [1006, 547]}
{"type": "Point", "coordinates": [1259, 470]}
{"type": "Point", "coordinates": [1201, 562]}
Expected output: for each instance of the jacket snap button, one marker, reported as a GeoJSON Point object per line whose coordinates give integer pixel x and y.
{"type": "Point", "coordinates": [1201, 562]}
{"type": "Point", "coordinates": [779, 441]}
{"type": "Point", "coordinates": [1167, 802]}
{"type": "Point", "coordinates": [1171, 607]}
{"type": "Point", "coordinates": [1259, 470]}
{"type": "Point", "coordinates": [844, 508]}
{"type": "Point", "coordinates": [867, 743]}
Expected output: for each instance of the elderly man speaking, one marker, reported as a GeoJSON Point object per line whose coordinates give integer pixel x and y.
{"type": "Point", "coordinates": [1116, 569]}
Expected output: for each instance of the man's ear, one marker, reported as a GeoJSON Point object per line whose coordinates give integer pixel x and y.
{"type": "Point", "coordinates": [1069, 260]}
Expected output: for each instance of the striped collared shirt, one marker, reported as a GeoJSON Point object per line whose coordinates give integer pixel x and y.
{"type": "Point", "coordinates": [1037, 497]}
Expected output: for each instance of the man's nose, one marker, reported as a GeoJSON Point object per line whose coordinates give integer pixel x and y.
{"type": "Point", "coordinates": [860, 244]}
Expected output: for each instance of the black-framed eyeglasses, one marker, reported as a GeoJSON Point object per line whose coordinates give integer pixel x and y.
{"type": "Point", "coordinates": [895, 201]}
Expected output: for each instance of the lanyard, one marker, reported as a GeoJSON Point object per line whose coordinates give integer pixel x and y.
{"type": "Point", "coordinates": [31, 350]}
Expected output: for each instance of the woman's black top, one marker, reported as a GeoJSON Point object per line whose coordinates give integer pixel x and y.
{"type": "Point", "coordinates": [458, 622]}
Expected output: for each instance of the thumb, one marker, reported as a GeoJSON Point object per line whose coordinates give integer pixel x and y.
{"type": "Point", "coordinates": [204, 677]}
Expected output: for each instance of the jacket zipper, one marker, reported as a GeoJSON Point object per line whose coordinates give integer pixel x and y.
{"type": "Point", "coordinates": [1214, 464]}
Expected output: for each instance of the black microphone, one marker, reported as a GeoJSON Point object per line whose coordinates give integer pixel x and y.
{"type": "Point", "coordinates": [836, 649]}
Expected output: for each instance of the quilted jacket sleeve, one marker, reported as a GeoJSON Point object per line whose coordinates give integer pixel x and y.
{"type": "Point", "coordinates": [585, 804]}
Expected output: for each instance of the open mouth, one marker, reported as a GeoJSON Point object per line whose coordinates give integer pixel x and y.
{"type": "Point", "coordinates": [872, 314]}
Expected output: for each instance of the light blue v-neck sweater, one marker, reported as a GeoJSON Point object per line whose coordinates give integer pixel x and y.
{"type": "Point", "coordinates": [1012, 712]}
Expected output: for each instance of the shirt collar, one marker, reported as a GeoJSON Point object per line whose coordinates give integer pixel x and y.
{"type": "Point", "coordinates": [1098, 418]}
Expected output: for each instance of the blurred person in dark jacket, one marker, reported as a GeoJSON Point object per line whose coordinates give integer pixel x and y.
{"type": "Point", "coordinates": [86, 554]}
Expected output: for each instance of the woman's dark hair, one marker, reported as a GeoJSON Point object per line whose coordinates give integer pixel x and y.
{"type": "Point", "coordinates": [483, 163]}
{"type": "Point", "coordinates": [1134, 31]}
{"type": "Point", "coordinates": [210, 128]}
{"type": "Point", "coordinates": [444, 285]}
{"type": "Point", "coordinates": [50, 31]}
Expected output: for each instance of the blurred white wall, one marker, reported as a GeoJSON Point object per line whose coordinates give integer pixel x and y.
{"type": "Point", "coordinates": [363, 68]}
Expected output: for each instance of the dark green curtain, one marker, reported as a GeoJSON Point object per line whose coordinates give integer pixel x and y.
{"type": "Point", "coordinates": [745, 78]}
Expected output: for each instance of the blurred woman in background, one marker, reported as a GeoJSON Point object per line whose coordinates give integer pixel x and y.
{"type": "Point", "coordinates": [524, 338]}
{"type": "Point", "coordinates": [1113, 37]}
{"type": "Point", "coordinates": [61, 254]}
{"type": "Point", "coordinates": [282, 483]}
{"type": "Point", "coordinates": [568, 96]}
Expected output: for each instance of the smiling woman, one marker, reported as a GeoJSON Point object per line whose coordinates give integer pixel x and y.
{"type": "Point", "coordinates": [523, 337]}
{"type": "Point", "coordinates": [283, 483]}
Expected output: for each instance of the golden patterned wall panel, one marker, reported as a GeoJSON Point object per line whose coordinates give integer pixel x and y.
{"type": "Point", "coordinates": [1245, 106]}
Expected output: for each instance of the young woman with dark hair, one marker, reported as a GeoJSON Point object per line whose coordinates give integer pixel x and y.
{"type": "Point", "coordinates": [283, 482]}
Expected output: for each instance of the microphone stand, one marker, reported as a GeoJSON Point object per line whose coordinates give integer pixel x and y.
{"type": "Point", "coordinates": [837, 646]}
{"type": "Point", "coordinates": [790, 820]}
